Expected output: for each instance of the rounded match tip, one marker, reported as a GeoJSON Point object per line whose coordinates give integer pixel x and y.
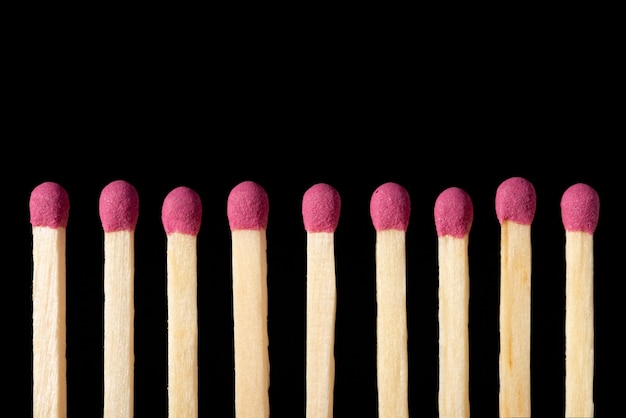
{"type": "Point", "coordinates": [580, 208]}
{"type": "Point", "coordinates": [247, 207]}
{"type": "Point", "coordinates": [49, 205]}
{"type": "Point", "coordinates": [182, 211]}
{"type": "Point", "coordinates": [390, 207]}
{"type": "Point", "coordinates": [119, 206]}
{"type": "Point", "coordinates": [516, 201]}
{"type": "Point", "coordinates": [454, 213]}
{"type": "Point", "coordinates": [321, 205]}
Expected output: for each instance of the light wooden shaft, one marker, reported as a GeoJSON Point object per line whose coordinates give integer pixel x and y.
{"type": "Point", "coordinates": [453, 327]}
{"type": "Point", "coordinates": [320, 325]}
{"type": "Point", "coordinates": [391, 324]}
{"type": "Point", "coordinates": [249, 264]}
{"type": "Point", "coordinates": [49, 326]}
{"type": "Point", "coordinates": [182, 326]}
{"type": "Point", "coordinates": [119, 314]}
{"type": "Point", "coordinates": [515, 320]}
{"type": "Point", "coordinates": [579, 325]}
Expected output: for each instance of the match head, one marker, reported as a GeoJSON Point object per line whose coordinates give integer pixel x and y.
{"type": "Point", "coordinates": [182, 211]}
{"type": "Point", "coordinates": [580, 208]}
{"type": "Point", "coordinates": [119, 206]}
{"type": "Point", "coordinates": [454, 213]}
{"type": "Point", "coordinates": [321, 205]}
{"type": "Point", "coordinates": [390, 207]}
{"type": "Point", "coordinates": [247, 207]}
{"type": "Point", "coordinates": [49, 205]}
{"type": "Point", "coordinates": [516, 201]}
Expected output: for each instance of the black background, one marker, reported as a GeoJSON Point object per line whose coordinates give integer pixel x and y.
{"type": "Point", "coordinates": [469, 110]}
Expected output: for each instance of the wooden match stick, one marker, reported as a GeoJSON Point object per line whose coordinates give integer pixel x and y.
{"type": "Point", "coordinates": [580, 209]}
{"type": "Point", "coordinates": [49, 210]}
{"type": "Point", "coordinates": [181, 215]}
{"type": "Point", "coordinates": [515, 208]}
{"type": "Point", "coordinates": [454, 214]}
{"type": "Point", "coordinates": [321, 206]}
{"type": "Point", "coordinates": [390, 209]}
{"type": "Point", "coordinates": [247, 210]}
{"type": "Point", "coordinates": [119, 209]}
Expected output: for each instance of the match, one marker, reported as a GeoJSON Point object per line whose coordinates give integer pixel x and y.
{"type": "Point", "coordinates": [580, 210]}
{"type": "Point", "coordinates": [119, 210]}
{"type": "Point", "coordinates": [321, 205]}
{"type": "Point", "coordinates": [181, 215]}
{"type": "Point", "coordinates": [247, 211]}
{"type": "Point", "coordinates": [454, 214]}
{"type": "Point", "coordinates": [49, 211]}
{"type": "Point", "coordinates": [390, 209]}
{"type": "Point", "coordinates": [516, 203]}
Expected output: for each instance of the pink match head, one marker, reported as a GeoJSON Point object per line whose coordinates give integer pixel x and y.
{"type": "Point", "coordinates": [247, 207]}
{"type": "Point", "coordinates": [516, 201]}
{"type": "Point", "coordinates": [182, 211]}
{"type": "Point", "coordinates": [49, 206]}
{"type": "Point", "coordinates": [390, 207]}
{"type": "Point", "coordinates": [321, 205]}
{"type": "Point", "coordinates": [454, 213]}
{"type": "Point", "coordinates": [119, 206]}
{"type": "Point", "coordinates": [580, 208]}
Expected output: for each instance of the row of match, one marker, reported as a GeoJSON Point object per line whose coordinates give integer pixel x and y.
{"type": "Point", "coordinates": [247, 213]}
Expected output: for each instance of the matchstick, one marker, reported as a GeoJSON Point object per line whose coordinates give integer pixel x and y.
{"type": "Point", "coordinates": [580, 209]}
{"type": "Point", "coordinates": [181, 215]}
{"type": "Point", "coordinates": [49, 210]}
{"type": "Point", "coordinates": [390, 208]}
{"type": "Point", "coordinates": [321, 205]}
{"type": "Point", "coordinates": [119, 209]}
{"type": "Point", "coordinates": [454, 214]}
{"type": "Point", "coordinates": [515, 208]}
{"type": "Point", "coordinates": [247, 210]}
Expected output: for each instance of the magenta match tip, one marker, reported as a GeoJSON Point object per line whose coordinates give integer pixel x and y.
{"type": "Point", "coordinates": [182, 211]}
{"type": "Point", "coordinates": [580, 208]}
{"type": "Point", "coordinates": [454, 213]}
{"type": "Point", "coordinates": [247, 207]}
{"type": "Point", "coordinates": [119, 206]}
{"type": "Point", "coordinates": [390, 207]}
{"type": "Point", "coordinates": [516, 201]}
{"type": "Point", "coordinates": [321, 205]}
{"type": "Point", "coordinates": [49, 205]}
